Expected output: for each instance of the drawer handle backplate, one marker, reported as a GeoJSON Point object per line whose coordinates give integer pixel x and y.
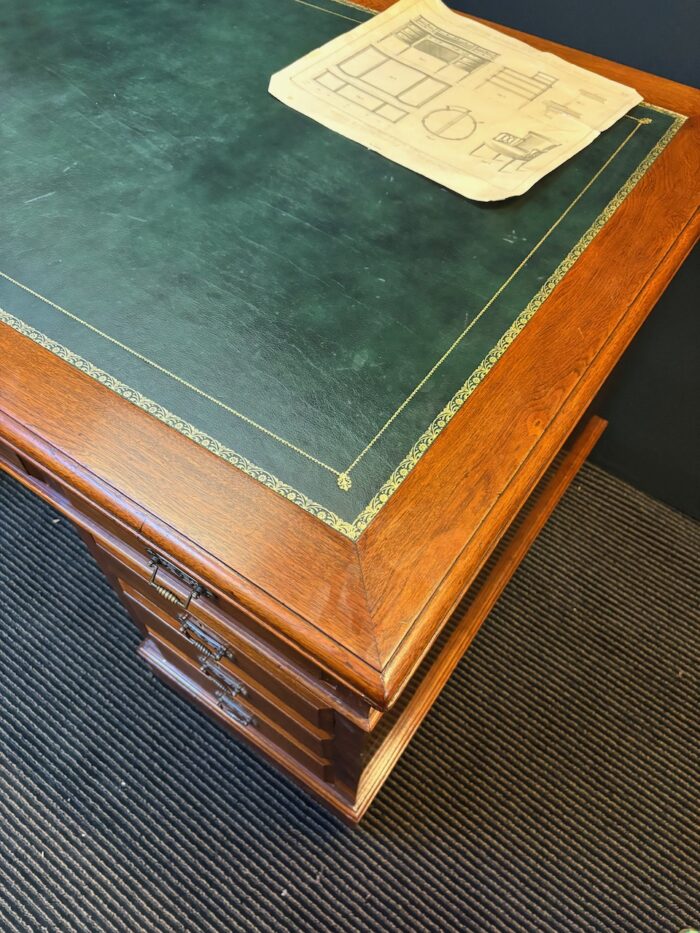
{"type": "Point", "coordinates": [234, 710]}
{"type": "Point", "coordinates": [195, 589]}
{"type": "Point", "coordinates": [225, 681]}
{"type": "Point", "coordinates": [203, 640]}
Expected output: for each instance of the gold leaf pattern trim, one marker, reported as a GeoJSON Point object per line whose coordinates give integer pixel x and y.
{"type": "Point", "coordinates": [174, 421]}
{"type": "Point", "coordinates": [354, 529]}
{"type": "Point", "coordinates": [450, 410]}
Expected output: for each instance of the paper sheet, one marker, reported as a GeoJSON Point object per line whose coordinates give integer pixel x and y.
{"type": "Point", "coordinates": [474, 110]}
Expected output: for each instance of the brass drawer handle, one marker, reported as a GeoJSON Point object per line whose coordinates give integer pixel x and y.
{"type": "Point", "coordinates": [227, 682]}
{"type": "Point", "coordinates": [234, 711]}
{"type": "Point", "coordinates": [195, 589]}
{"type": "Point", "coordinates": [203, 640]}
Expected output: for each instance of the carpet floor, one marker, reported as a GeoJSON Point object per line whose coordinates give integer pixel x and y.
{"type": "Point", "coordinates": [554, 786]}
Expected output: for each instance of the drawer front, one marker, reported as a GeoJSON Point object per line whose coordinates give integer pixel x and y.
{"type": "Point", "coordinates": [222, 670]}
{"type": "Point", "coordinates": [78, 508]}
{"type": "Point", "coordinates": [281, 668]}
{"type": "Point", "coordinates": [170, 594]}
{"type": "Point", "coordinates": [234, 711]}
{"type": "Point", "coordinates": [8, 456]}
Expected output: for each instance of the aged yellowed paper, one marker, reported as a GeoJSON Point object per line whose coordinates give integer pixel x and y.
{"type": "Point", "coordinates": [474, 110]}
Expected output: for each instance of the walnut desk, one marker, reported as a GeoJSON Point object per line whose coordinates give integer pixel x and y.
{"type": "Point", "coordinates": [293, 395]}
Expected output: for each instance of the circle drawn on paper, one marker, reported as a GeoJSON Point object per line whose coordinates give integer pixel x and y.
{"type": "Point", "coordinates": [453, 123]}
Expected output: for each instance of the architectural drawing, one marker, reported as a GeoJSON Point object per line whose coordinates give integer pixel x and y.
{"type": "Point", "coordinates": [520, 149]}
{"type": "Point", "coordinates": [471, 108]}
{"type": "Point", "coordinates": [553, 108]}
{"type": "Point", "coordinates": [413, 65]}
{"type": "Point", "coordinates": [526, 87]}
{"type": "Point", "coordinates": [423, 43]}
{"type": "Point", "coordinates": [369, 102]}
{"type": "Point", "coordinates": [404, 82]}
{"type": "Point", "coordinates": [577, 105]}
{"type": "Point", "coordinates": [455, 123]}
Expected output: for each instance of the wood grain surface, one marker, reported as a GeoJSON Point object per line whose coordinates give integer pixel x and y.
{"type": "Point", "coordinates": [366, 613]}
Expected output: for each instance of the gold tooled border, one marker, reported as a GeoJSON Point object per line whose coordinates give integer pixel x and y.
{"type": "Point", "coordinates": [354, 529]}
{"type": "Point", "coordinates": [174, 421]}
{"type": "Point", "coordinates": [460, 397]}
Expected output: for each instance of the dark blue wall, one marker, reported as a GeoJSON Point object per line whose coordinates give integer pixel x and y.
{"type": "Point", "coordinates": [652, 400]}
{"type": "Point", "coordinates": [661, 37]}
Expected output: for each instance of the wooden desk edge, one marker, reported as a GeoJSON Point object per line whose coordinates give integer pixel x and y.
{"type": "Point", "coordinates": [348, 644]}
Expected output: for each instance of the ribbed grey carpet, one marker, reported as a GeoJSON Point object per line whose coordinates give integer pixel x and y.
{"type": "Point", "coordinates": [553, 787]}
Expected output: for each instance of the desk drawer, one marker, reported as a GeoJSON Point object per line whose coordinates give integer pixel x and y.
{"type": "Point", "coordinates": [132, 571]}
{"type": "Point", "coordinates": [80, 510]}
{"type": "Point", "coordinates": [7, 455]}
{"type": "Point", "coordinates": [113, 540]}
{"type": "Point", "coordinates": [234, 711]}
{"type": "Point", "coordinates": [224, 671]}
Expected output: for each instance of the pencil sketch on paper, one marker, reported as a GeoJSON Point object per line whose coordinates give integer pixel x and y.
{"type": "Point", "coordinates": [423, 43]}
{"type": "Point", "coordinates": [511, 82]}
{"type": "Point", "coordinates": [455, 123]}
{"type": "Point", "coordinates": [515, 149]}
{"type": "Point", "coordinates": [475, 110]}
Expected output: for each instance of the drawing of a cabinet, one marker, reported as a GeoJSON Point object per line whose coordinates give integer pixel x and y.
{"type": "Point", "coordinates": [400, 80]}
{"type": "Point", "coordinates": [405, 70]}
{"type": "Point", "coordinates": [432, 50]}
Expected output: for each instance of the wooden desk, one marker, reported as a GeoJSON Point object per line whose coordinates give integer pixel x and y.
{"type": "Point", "coordinates": [304, 602]}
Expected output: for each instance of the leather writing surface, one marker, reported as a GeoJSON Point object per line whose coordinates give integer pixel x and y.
{"type": "Point", "coordinates": [310, 311]}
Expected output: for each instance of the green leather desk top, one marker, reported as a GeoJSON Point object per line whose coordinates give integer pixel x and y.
{"type": "Point", "coordinates": [301, 306]}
